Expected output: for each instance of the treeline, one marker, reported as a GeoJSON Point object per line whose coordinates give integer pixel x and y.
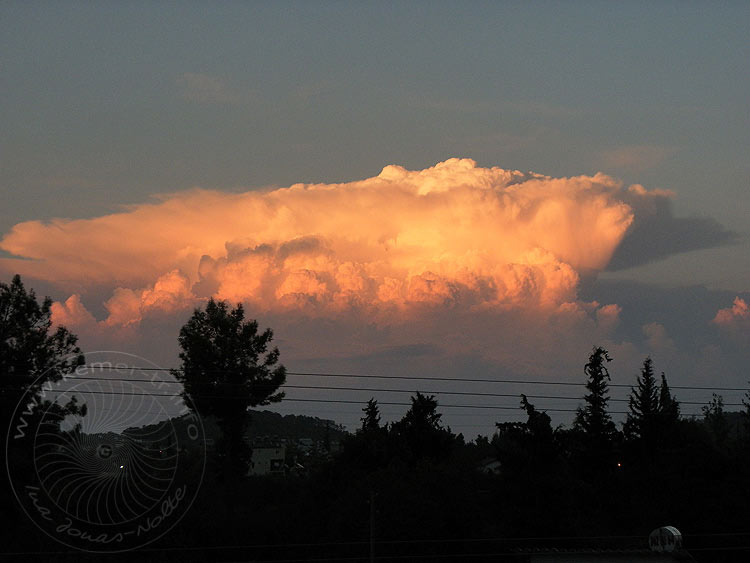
{"type": "Point", "coordinates": [590, 479]}
{"type": "Point", "coordinates": [418, 489]}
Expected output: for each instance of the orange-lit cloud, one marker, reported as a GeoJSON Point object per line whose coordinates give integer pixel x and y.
{"type": "Point", "coordinates": [608, 316]}
{"type": "Point", "coordinates": [455, 234]}
{"type": "Point", "coordinates": [734, 323]}
{"type": "Point", "coordinates": [736, 316]}
{"type": "Point", "coordinates": [71, 313]}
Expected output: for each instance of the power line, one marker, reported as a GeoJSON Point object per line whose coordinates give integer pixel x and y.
{"type": "Point", "coordinates": [132, 369]}
{"type": "Point", "coordinates": [340, 388]}
{"type": "Point", "coordinates": [336, 401]}
{"type": "Point", "coordinates": [341, 401]}
{"type": "Point", "coordinates": [368, 376]}
{"type": "Point", "coordinates": [386, 390]}
{"type": "Point", "coordinates": [324, 388]}
{"type": "Point", "coordinates": [490, 407]}
{"type": "Point", "coordinates": [399, 377]}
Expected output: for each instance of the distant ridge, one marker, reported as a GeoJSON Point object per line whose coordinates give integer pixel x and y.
{"type": "Point", "coordinates": [293, 426]}
{"type": "Point", "coordinates": [264, 424]}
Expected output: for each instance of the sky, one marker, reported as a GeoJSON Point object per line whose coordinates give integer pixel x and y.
{"type": "Point", "coordinates": [466, 191]}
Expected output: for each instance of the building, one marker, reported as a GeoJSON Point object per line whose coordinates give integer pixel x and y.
{"type": "Point", "coordinates": [268, 457]}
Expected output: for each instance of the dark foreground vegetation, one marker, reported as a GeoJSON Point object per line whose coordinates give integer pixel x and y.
{"type": "Point", "coordinates": [414, 490]}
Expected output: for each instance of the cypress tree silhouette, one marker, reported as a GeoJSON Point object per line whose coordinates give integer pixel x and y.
{"type": "Point", "coordinates": [593, 420]}
{"type": "Point", "coordinates": [643, 420]}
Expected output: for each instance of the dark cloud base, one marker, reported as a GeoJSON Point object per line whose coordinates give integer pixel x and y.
{"type": "Point", "coordinates": [658, 235]}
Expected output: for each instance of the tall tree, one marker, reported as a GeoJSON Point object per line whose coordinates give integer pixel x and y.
{"type": "Point", "coordinates": [367, 449]}
{"type": "Point", "coordinates": [539, 424]}
{"type": "Point", "coordinates": [423, 413]}
{"type": "Point", "coordinates": [642, 421]}
{"type": "Point", "coordinates": [420, 432]}
{"type": "Point", "coordinates": [227, 367]}
{"type": "Point", "coordinates": [31, 354]}
{"type": "Point", "coordinates": [527, 448]}
{"type": "Point", "coordinates": [593, 420]}
{"type": "Point", "coordinates": [371, 419]}
{"type": "Point", "coordinates": [669, 407]}
{"type": "Point", "coordinates": [716, 420]}
{"type": "Point", "coordinates": [653, 413]}
{"type": "Point", "coordinates": [531, 469]}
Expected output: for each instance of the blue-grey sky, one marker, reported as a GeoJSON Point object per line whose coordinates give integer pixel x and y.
{"type": "Point", "coordinates": [107, 104]}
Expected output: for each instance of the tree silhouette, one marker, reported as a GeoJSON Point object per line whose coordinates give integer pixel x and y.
{"type": "Point", "coordinates": [420, 432]}
{"type": "Point", "coordinates": [228, 367]}
{"type": "Point", "coordinates": [593, 421]}
{"type": "Point", "coordinates": [367, 449]}
{"type": "Point", "coordinates": [653, 413]}
{"type": "Point", "coordinates": [28, 346]}
{"type": "Point", "coordinates": [669, 407]}
{"type": "Point", "coordinates": [643, 419]}
{"type": "Point", "coordinates": [31, 354]}
{"type": "Point", "coordinates": [716, 420]}
{"type": "Point", "coordinates": [539, 426]}
{"type": "Point", "coordinates": [423, 413]}
{"type": "Point", "coordinates": [527, 448]}
{"type": "Point", "coordinates": [371, 420]}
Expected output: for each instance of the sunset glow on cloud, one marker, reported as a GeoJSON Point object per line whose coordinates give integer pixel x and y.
{"type": "Point", "coordinates": [456, 233]}
{"type": "Point", "coordinates": [735, 318]}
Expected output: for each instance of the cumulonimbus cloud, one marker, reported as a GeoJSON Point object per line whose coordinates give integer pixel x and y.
{"type": "Point", "coordinates": [454, 234]}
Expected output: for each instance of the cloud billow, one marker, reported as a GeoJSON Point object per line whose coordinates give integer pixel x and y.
{"type": "Point", "coordinates": [448, 270]}
{"type": "Point", "coordinates": [454, 234]}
